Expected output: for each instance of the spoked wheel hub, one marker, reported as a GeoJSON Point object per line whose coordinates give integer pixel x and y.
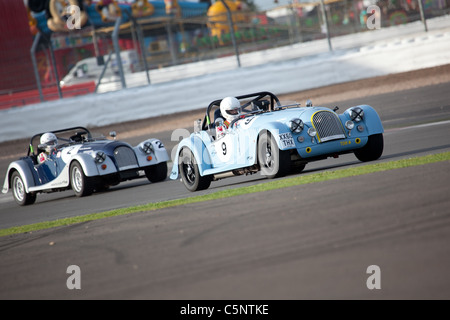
{"type": "Point", "coordinates": [18, 188]}
{"type": "Point", "coordinates": [190, 172]}
{"type": "Point", "coordinates": [268, 162]}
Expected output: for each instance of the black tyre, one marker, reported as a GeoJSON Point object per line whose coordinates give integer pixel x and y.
{"type": "Point", "coordinates": [297, 168]}
{"type": "Point", "coordinates": [190, 174]}
{"type": "Point", "coordinates": [18, 189]}
{"type": "Point", "coordinates": [81, 185]}
{"type": "Point", "coordinates": [372, 150]}
{"type": "Point", "coordinates": [101, 187]}
{"type": "Point", "coordinates": [157, 173]}
{"type": "Point", "coordinates": [273, 162]}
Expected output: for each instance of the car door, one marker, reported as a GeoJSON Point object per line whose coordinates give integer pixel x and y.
{"type": "Point", "coordinates": [47, 171]}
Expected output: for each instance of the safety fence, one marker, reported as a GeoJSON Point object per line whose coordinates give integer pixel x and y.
{"type": "Point", "coordinates": [64, 64]}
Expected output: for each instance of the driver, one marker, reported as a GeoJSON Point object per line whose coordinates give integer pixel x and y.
{"type": "Point", "coordinates": [229, 108]}
{"type": "Point", "coordinates": [48, 143]}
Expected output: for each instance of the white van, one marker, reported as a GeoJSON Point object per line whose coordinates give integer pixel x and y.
{"type": "Point", "coordinates": [87, 70]}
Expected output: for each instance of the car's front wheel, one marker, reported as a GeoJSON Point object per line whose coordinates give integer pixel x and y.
{"type": "Point", "coordinates": [190, 174]}
{"type": "Point", "coordinates": [19, 192]}
{"type": "Point", "coordinates": [81, 185]}
{"type": "Point", "coordinates": [372, 150]}
{"type": "Point", "coordinates": [297, 168]}
{"type": "Point", "coordinates": [273, 162]}
{"type": "Point", "coordinates": [157, 173]}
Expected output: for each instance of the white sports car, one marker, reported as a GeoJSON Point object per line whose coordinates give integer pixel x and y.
{"type": "Point", "coordinates": [275, 139]}
{"type": "Point", "coordinates": [84, 164]}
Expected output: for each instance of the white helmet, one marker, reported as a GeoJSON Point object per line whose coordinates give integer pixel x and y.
{"type": "Point", "coordinates": [229, 107]}
{"type": "Point", "coordinates": [49, 139]}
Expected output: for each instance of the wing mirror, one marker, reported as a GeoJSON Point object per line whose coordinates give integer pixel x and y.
{"type": "Point", "coordinates": [113, 134]}
{"type": "Point", "coordinates": [309, 103]}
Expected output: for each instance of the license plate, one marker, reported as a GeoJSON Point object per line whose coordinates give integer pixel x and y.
{"type": "Point", "coordinates": [286, 140]}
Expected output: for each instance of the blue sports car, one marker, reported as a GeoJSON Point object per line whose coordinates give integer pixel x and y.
{"type": "Point", "coordinates": [73, 159]}
{"type": "Point", "coordinates": [264, 135]}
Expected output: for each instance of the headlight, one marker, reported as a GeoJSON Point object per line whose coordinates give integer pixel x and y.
{"type": "Point", "coordinates": [356, 114]}
{"type": "Point", "coordinates": [312, 132]}
{"type": "Point", "coordinates": [296, 125]}
{"type": "Point", "coordinates": [349, 125]}
{"type": "Point", "coordinates": [100, 157]}
{"type": "Point", "coordinates": [147, 148]}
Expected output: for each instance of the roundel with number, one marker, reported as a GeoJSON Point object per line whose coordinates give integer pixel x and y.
{"type": "Point", "coordinates": [224, 148]}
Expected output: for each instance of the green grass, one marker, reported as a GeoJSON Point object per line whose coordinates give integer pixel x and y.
{"type": "Point", "coordinates": [277, 184]}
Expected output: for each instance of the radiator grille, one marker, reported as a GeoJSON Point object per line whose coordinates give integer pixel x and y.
{"type": "Point", "coordinates": [328, 126]}
{"type": "Point", "coordinates": [125, 158]}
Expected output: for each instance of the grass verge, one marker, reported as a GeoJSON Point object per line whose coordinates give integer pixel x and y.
{"type": "Point", "coordinates": [277, 184]}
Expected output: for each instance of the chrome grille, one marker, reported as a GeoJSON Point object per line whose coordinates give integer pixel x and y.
{"type": "Point", "coordinates": [328, 126]}
{"type": "Point", "coordinates": [125, 158]}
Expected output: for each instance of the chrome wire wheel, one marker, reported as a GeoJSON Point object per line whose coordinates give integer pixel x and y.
{"type": "Point", "coordinates": [273, 162]}
{"type": "Point", "coordinates": [77, 179]}
{"type": "Point", "coordinates": [81, 185]}
{"type": "Point", "coordinates": [268, 161]}
{"type": "Point", "coordinates": [19, 190]}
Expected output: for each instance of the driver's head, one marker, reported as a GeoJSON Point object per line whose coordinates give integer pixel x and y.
{"type": "Point", "coordinates": [229, 107]}
{"type": "Point", "coordinates": [49, 140]}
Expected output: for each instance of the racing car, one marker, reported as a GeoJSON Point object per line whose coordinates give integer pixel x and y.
{"type": "Point", "coordinates": [82, 163]}
{"type": "Point", "coordinates": [273, 138]}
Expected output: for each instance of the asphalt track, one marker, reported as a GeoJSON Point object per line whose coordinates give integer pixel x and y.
{"type": "Point", "coordinates": [397, 110]}
{"type": "Point", "coordinates": [308, 242]}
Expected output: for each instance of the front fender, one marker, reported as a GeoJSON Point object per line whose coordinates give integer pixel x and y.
{"type": "Point", "coordinates": [24, 170]}
{"type": "Point", "coordinates": [371, 119]}
{"type": "Point", "coordinates": [279, 131]}
{"type": "Point", "coordinates": [90, 167]}
{"type": "Point", "coordinates": [159, 153]}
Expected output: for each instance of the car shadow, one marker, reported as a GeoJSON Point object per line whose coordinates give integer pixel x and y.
{"type": "Point", "coordinates": [335, 166]}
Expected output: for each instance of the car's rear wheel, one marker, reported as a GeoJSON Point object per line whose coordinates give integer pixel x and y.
{"type": "Point", "coordinates": [19, 192]}
{"type": "Point", "coordinates": [190, 174]}
{"type": "Point", "coordinates": [157, 173]}
{"type": "Point", "coordinates": [81, 185]}
{"type": "Point", "coordinates": [372, 150]}
{"type": "Point", "coordinates": [273, 162]}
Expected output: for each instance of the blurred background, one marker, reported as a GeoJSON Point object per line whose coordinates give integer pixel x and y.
{"type": "Point", "coordinates": [53, 49]}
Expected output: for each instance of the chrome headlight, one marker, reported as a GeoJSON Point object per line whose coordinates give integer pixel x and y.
{"type": "Point", "coordinates": [100, 157]}
{"type": "Point", "coordinates": [356, 114]}
{"type": "Point", "coordinates": [147, 148]}
{"type": "Point", "coordinates": [296, 125]}
{"type": "Point", "coordinates": [349, 124]}
{"type": "Point", "coordinates": [312, 132]}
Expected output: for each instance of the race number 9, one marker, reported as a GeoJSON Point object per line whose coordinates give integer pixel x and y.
{"type": "Point", "coordinates": [224, 148]}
